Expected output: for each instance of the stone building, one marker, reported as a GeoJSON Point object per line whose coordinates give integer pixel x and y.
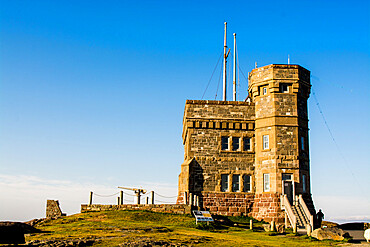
{"type": "Point", "coordinates": [242, 156]}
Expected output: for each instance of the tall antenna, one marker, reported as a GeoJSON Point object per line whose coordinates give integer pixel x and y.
{"type": "Point", "coordinates": [234, 69]}
{"type": "Point", "coordinates": [225, 56]}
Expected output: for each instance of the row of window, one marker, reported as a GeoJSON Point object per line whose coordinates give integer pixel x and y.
{"type": "Point", "coordinates": [284, 88]}
{"type": "Point", "coordinates": [247, 182]}
{"type": "Point", "coordinates": [237, 143]}
{"type": "Point", "coordinates": [235, 183]}
{"type": "Point", "coordinates": [244, 144]}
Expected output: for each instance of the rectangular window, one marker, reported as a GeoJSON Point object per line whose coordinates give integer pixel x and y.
{"type": "Point", "coordinates": [236, 143]}
{"type": "Point", "coordinates": [287, 176]}
{"type": "Point", "coordinates": [224, 143]}
{"type": "Point", "coordinates": [266, 142]}
{"type": "Point", "coordinates": [304, 183]}
{"type": "Point", "coordinates": [284, 88]}
{"type": "Point", "coordinates": [302, 143]}
{"type": "Point", "coordinates": [266, 182]}
{"type": "Point", "coordinates": [224, 182]}
{"type": "Point", "coordinates": [247, 183]}
{"type": "Point", "coordinates": [246, 144]}
{"type": "Point", "coordinates": [235, 184]}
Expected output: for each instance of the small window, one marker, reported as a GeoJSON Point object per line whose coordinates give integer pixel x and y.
{"type": "Point", "coordinates": [266, 182]}
{"type": "Point", "coordinates": [236, 143]}
{"type": "Point", "coordinates": [224, 182]}
{"type": "Point", "coordinates": [247, 183]}
{"type": "Point", "coordinates": [224, 143]}
{"type": "Point", "coordinates": [246, 144]}
{"type": "Point", "coordinates": [304, 183]}
{"type": "Point", "coordinates": [266, 142]}
{"type": "Point", "coordinates": [284, 88]}
{"type": "Point", "coordinates": [235, 187]}
{"type": "Point", "coordinates": [302, 143]}
{"type": "Point", "coordinates": [264, 90]}
{"type": "Point", "coordinates": [287, 177]}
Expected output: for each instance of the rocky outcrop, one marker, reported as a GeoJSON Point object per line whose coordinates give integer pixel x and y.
{"type": "Point", "coordinates": [13, 232]}
{"type": "Point", "coordinates": [331, 233]}
{"type": "Point", "coordinates": [61, 242]}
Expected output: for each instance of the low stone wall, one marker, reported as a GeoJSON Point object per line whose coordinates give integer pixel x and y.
{"type": "Point", "coordinates": [161, 208]}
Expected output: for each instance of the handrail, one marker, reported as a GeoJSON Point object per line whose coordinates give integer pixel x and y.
{"type": "Point", "coordinates": [305, 210]}
{"type": "Point", "coordinates": [288, 210]}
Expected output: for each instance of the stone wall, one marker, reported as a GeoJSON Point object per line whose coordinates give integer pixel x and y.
{"type": "Point", "coordinates": [230, 204]}
{"type": "Point", "coordinates": [160, 208]}
{"type": "Point", "coordinates": [267, 207]}
{"type": "Point", "coordinates": [53, 209]}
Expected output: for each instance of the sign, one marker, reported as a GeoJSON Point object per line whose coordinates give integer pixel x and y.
{"type": "Point", "coordinates": [202, 216]}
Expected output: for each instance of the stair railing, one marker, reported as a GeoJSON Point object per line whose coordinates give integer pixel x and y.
{"type": "Point", "coordinates": [285, 205]}
{"type": "Point", "coordinates": [305, 210]}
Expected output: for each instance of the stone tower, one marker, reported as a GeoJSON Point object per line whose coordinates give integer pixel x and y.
{"type": "Point", "coordinates": [280, 94]}
{"type": "Point", "coordinates": [241, 157]}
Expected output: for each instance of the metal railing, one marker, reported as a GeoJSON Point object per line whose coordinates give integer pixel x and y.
{"type": "Point", "coordinates": [306, 211]}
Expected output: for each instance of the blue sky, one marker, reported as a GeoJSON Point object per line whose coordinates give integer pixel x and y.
{"type": "Point", "coordinates": [92, 93]}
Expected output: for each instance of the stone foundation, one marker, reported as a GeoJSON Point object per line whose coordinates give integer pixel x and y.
{"type": "Point", "coordinates": [230, 204]}
{"type": "Point", "coordinates": [267, 207]}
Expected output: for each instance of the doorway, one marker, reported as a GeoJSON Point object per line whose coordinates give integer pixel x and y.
{"type": "Point", "coordinates": [288, 186]}
{"type": "Point", "coordinates": [288, 191]}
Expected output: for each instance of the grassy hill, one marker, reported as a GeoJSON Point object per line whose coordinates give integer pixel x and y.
{"type": "Point", "coordinates": [143, 228]}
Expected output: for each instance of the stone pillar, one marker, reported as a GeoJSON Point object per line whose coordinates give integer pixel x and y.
{"type": "Point", "coordinates": [121, 195]}
{"type": "Point", "coordinates": [152, 196]}
{"type": "Point", "coordinates": [273, 228]}
{"type": "Point", "coordinates": [91, 198]}
{"type": "Point", "coordinates": [308, 229]}
{"type": "Point", "coordinates": [53, 209]}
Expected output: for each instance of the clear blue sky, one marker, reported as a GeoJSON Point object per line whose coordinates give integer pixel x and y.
{"type": "Point", "coordinates": [92, 93]}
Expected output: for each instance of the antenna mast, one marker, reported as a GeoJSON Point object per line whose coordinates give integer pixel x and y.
{"type": "Point", "coordinates": [234, 69]}
{"type": "Point", "coordinates": [225, 56]}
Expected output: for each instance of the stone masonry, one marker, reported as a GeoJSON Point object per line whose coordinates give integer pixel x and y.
{"type": "Point", "coordinates": [241, 156]}
{"type": "Point", "coordinates": [53, 209]}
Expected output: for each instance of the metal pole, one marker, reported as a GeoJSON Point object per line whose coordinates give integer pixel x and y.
{"type": "Point", "coordinates": [121, 196]}
{"type": "Point", "coordinates": [138, 197]}
{"type": "Point", "coordinates": [91, 198]}
{"type": "Point", "coordinates": [224, 76]}
{"type": "Point", "coordinates": [118, 201]}
{"type": "Point", "coordinates": [147, 200]}
{"type": "Point", "coordinates": [251, 224]}
{"type": "Point", "coordinates": [234, 70]}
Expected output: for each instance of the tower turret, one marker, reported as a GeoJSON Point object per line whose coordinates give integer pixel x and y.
{"type": "Point", "coordinates": [280, 94]}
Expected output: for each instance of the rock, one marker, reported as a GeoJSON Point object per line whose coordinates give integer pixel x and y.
{"type": "Point", "coordinates": [367, 235]}
{"type": "Point", "coordinates": [280, 228]}
{"type": "Point", "coordinates": [332, 233]}
{"type": "Point", "coordinates": [13, 232]}
{"type": "Point", "coordinates": [267, 227]}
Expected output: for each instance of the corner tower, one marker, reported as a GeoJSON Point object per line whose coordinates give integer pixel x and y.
{"type": "Point", "coordinates": [280, 94]}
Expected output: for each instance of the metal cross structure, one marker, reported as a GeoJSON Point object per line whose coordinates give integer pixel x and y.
{"type": "Point", "coordinates": [137, 191]}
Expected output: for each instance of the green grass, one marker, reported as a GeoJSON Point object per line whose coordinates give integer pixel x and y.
{"type": "Point", "coordinates": [113, 228]}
